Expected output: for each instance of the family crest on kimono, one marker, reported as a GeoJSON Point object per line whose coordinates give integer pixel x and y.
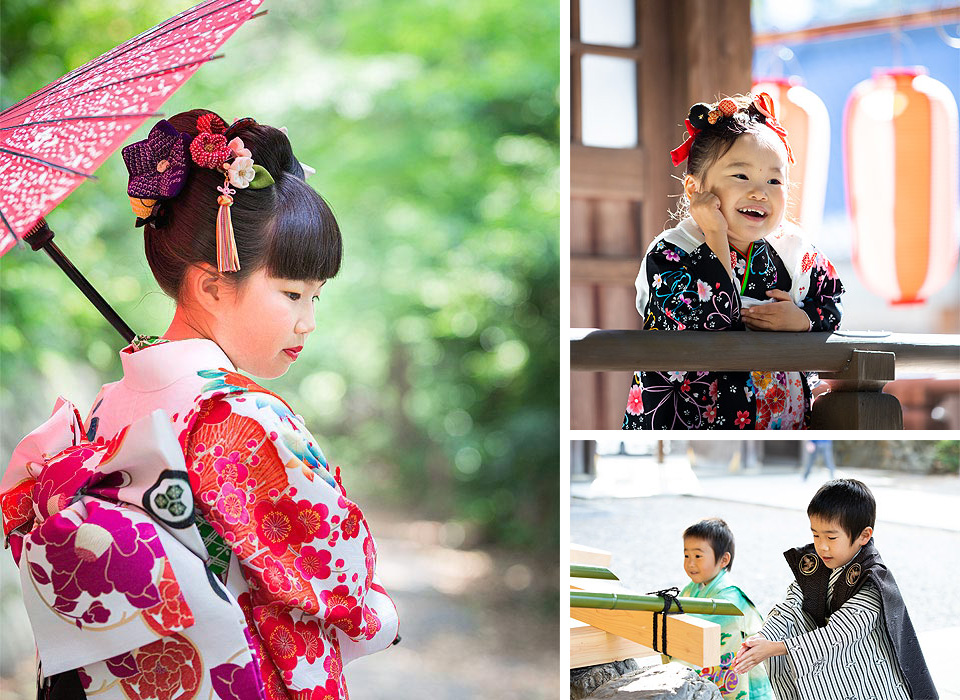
{"type": "Point", "coordinates": [843, 629]}
{"type": "Point", "coordinates": [188, 538]}
{"type": "Point", "coordinates": [732, 264]}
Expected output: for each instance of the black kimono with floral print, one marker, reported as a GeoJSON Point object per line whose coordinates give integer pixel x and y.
{"type": "Point", "coordinates": [692, 291]}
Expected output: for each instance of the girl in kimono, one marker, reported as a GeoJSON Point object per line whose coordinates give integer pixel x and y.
{"type": "Point", "coordinates": [708, 549]}
{"type": "Point", "coordinates": [188, 539]}
{"type": "Point", "coordinates": [731, 264]}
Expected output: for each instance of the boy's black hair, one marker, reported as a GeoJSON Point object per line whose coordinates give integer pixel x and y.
{"type": "Point", "coordinates": [717, 533]}
{"type": "Point", "coordinates": [847, 502]}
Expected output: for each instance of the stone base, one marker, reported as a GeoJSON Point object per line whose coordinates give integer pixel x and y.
{"type": "Point", "coordinates": [584, 681]}
{"type": "Point", "coordinates": [667, 682]}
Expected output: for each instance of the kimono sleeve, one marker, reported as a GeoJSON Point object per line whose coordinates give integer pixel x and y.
{"type": "Point", "coordinates": [303, 547]}
{"type": "Point", "coordinates": [822, 302]}
{"type": "Point", "coordinates": [787, 619]}
{"type": "Point", "coordinates": [812, 651]}
{"type": "Point", "coordinates": [688, 290]}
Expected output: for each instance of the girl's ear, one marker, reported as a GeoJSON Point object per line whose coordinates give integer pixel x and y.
{"type": "Point", "coordinates": [690, 186]}
{"type": "Point", "coordinates": [205, 286]}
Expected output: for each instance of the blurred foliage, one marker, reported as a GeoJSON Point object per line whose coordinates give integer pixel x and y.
{"type": "Point", "coordinates": [947, 456]}
{"type": "Point", "coordinates": [433, 375]}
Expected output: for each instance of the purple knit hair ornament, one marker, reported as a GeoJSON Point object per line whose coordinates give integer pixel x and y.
{"type": "Point", "coordinates": [159, 164]}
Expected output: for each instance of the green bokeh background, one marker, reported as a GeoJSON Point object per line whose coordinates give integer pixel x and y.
{"type": "Point", "coordinates": [433, 374]}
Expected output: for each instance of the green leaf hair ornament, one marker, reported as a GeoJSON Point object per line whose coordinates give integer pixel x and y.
{"type": "Point", "coordinates": [262, 178]}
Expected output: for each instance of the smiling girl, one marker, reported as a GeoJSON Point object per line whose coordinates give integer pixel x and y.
{"type": "Point", "coordinates": [285, 590]}
{"type": "Point", "coordinates": [731, 264]}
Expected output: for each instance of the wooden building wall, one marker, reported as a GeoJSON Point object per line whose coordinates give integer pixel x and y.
{"type": "Point", "coordinates": [686, 51]}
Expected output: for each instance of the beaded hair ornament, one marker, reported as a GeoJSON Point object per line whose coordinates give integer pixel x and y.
{"type": "Point", "coordinates": [703, 115]}
{"type": "Point", "coordinates": [159, 166]}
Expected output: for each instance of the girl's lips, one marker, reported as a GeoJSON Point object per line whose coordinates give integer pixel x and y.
{"type": "Point", "coordinates": [293, 352]}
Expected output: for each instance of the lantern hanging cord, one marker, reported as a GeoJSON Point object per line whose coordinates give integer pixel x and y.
{"type": "Point", "coordinates": [670, 596]}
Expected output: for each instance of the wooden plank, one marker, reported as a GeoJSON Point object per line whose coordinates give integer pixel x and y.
{"type": "Point", "coordinates": [590, 646]}
{"type": "Point", "coordinates": [616, 234]}
{"type": "Point", "coordinates": [578, 48]}
{"type": "Point", "coordinates": [927, 18]}
{"type": "Point", "coordinates": [689, 638]}
{"type": "Point", "coordinates": [589, 556]}
{"type": "Point", "coordinates": [604, 269]}
{"type": "Point", "coordinates": [607, 350]}
{"type": "Point", "coordinates": [612, 173]}
{"type": "Point", "coordinates": [584, 388]}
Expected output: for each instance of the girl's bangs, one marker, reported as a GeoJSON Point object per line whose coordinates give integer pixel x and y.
{"type": "Point", "coordinates": [305, 242]}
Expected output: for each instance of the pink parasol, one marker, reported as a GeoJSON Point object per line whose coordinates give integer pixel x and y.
{"type": "Point", "coordinates": [57, 137]}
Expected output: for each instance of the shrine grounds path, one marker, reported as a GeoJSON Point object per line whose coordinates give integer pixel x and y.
{"type": "Point", "coordinates": [917, 533]}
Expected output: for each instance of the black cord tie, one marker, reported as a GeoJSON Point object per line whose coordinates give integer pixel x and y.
{"type": "Point", "coordinates": [669, 596]}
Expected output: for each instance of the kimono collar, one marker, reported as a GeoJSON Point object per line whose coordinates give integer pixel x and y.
{"type": "Point", "coordinates": [717, 583]}
{"type": "Point", "coordinates": [157, 366]}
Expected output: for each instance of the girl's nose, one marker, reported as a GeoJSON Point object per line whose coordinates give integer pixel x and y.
{"type": "Point", "coordinates": [305, 324]}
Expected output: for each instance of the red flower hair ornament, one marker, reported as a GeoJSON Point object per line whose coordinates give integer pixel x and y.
{"type": "Point", "coordinates": [702, 115]}
{"type": "Point", "coordinates": [158, 169]}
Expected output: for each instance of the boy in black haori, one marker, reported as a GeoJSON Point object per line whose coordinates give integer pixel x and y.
{"type": "Point", "coordinates": [843, 630]}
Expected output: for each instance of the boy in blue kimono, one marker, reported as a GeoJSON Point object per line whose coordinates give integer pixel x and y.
{"type": "Point", "coordinates": [708, 549]}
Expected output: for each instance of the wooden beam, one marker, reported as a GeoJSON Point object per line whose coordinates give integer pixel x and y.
{"type": "Point", "coordinates": [608, 173]}
{"type": "Point", "coordinates": [598, 269]}
{"type": "Point", "coordinates": [927, 18]}
{"type": "Point", "coordinates": [589, 556]}
{"type": "Point", "coordinates": [590, 646]}
{"type": "Point", "coordinates": [689, 638]}
{"type": "Point", "coordinates": [578, 48]}
{"type": "Point", "coordinates": [602, 350]}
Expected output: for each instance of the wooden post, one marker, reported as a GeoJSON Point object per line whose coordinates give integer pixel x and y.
{"type": "Point", "coordinates": [589, 556]}
{"type": "Point", "coordinates": [590, 646]}
{"type": "Point", "coordinates": [689, 638]}
{"type": "Point", "coordinates": [856, 399]}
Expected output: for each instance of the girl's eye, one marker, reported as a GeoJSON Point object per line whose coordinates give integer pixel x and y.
{"type": "Point", "coordinates": [293, 295]}
{"type": "Point", "coordinates": [741, 176]}
{"type": "Point", "coordinates": [775, 182]}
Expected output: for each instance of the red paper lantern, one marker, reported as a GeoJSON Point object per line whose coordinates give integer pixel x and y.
{"type": "Point", "coordinates": [902, 172]}
{"type": "Point", "coordinates": [804, 115]}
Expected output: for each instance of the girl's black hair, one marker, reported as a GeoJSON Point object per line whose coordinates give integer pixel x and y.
{"type": "Point", "coordinates": [287, 228]}
{"type": "Point", "coordinates": [847, 502]}
{"type": "Point", "coordinates": [718, 534]}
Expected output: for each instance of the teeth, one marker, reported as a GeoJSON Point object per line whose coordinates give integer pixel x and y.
{"type": "Point", "coordinates": [752, 211]}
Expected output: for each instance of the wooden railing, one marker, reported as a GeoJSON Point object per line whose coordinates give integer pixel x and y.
{"type": "Point", "coordinates": [856, 365]}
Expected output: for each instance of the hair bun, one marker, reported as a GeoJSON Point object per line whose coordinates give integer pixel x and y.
{"type": "Point", "coordinates": [698, 115]}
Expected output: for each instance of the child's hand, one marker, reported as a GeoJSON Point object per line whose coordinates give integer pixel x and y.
{"type": "Point", "coordinates": [754, 650]}
{"type": "Point", "coordinates": [781, 315]}
{"type": "Point", "coordinates": [705, 210]}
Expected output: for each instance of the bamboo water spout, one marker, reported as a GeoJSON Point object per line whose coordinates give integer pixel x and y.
{"type": "Point", "coordinates": [651, 603]}
{"type": "Point", "coordinates": [585, 571]}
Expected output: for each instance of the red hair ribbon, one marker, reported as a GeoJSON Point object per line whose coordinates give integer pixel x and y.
{"type": "Point", "coordinates": [764, 104]}
{"type": "Point", "coordinates": [680, 153]}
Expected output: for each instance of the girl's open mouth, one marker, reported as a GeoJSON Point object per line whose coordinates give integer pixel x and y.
{"type": "Point", "coordinates": [753, 214]}
{"type": "Point", "coordinates": [293, 352]}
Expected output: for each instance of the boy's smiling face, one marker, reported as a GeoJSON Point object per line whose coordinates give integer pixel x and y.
{"type": "Point", "coordinates": [833, 544]}
{"type": "Point", "coordinates": [700, 562]}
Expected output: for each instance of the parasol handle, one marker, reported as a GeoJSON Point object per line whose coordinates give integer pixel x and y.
{"type": "Point", "coordinates": [41, 236]}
